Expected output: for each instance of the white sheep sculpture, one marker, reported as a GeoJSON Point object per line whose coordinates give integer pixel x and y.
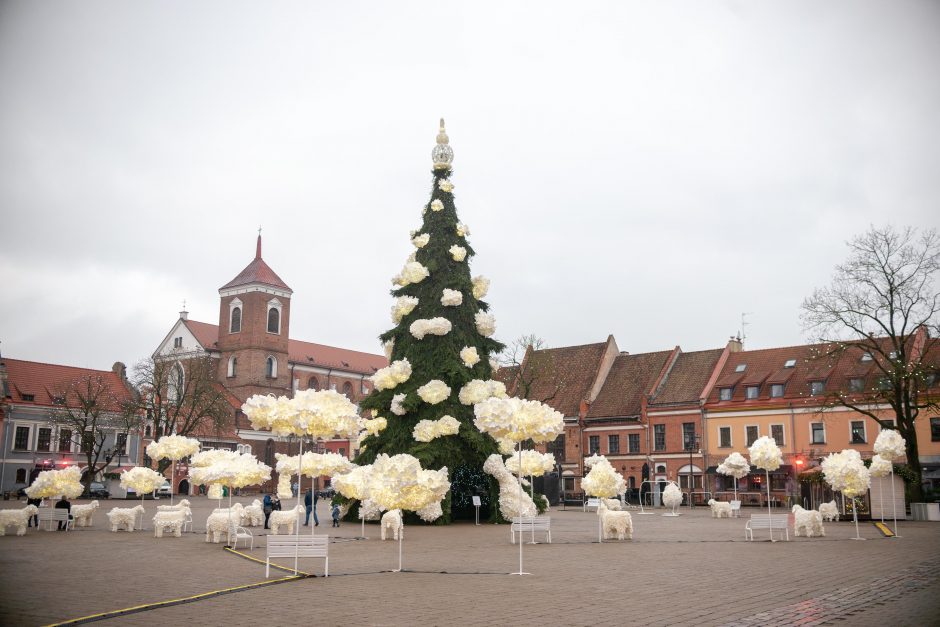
{"type": "Point", "coordinates": [720, 509]}
{"type": "Point", "coordinates": [829, 511]}
{"type": "Point", "coordinates": [83, 514]}
{"type": "Point", "coordinates": [184, 504]}
{"type": "Point", "coordinates": [613, 505]}
{"type": "Point", "coordinates": [391, 521]}
{"type": "Point", "coordinates": [253, 515]}
{"type": "Point", "coordinates": [220, 523]}
{"type": "Point", "coordinates": [124, 517]}
{"type": "Point", "coordinates": [171, 520]}
{"type": "Point", "coordinates": [18, 518]}
{"type": "Point", "coordinates": [614, 522]}
{"type": "Point", "coordinates": [807, 523]}
{"type": "Point", "coordinates": [285, 517]}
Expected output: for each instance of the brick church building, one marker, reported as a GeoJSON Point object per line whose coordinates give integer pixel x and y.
{"type": "Point", "coordinates": [253, 353]}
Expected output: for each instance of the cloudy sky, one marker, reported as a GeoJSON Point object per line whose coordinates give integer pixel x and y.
{"type": "Point", "coordinates": [648, 170]}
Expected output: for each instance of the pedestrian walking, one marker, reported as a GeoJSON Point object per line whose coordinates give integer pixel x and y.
{"type": "Point", "coordinates": [335, 515]}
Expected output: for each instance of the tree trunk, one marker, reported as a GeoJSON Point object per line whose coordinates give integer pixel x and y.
{"type": "Point", "coordinates": [916, 488]}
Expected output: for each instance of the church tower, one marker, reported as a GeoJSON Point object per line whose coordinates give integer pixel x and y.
{"type": "Point", "coordinates": [254, 322]}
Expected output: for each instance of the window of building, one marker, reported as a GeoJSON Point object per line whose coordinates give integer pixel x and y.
{"type": "Point", "coordinates": [569, 484]}
{"type": "Point", "coordinates": [931, 378]}
{"type": "Point", "coordinates": [232, 366]}
{"type": "Point", "coordinates": [776, 390]}
{"type": "Point", "coordinates": [884, 383]}
{"type": "Point", "coordinates": [594, 444]}
{"type": "Point", "coordinates": [235, 325]}
{"type": "Point", "coordinates": [817, 433]}
{"type": "Point", "coordinates": [244, 449]}
{"type": "Point", "coordinates": [44, 439]}
{"type": "Point", "coordinates": [58, 400]}
{"type": "Point", "coordinates": [858, 432]}
{"type": "Point", "coordinates": [935, 429]}
{"type": "Point", "coordinates": [866, 357]}
{"type": "Point", "coordinates": [659, 437]}
{"type": "Point", "coordinates": [790, 363]}
{"type": "Point", "coordinates": [29, 397]}
{"type": "Point", "coordinates": [120, 444]}
{"type": "Point", "coordinates": [752, 433]}
{"type": "Point", "coordinates": [65, 440]}
{"type": "Point", "coordinates": [817, 387]}
{"type": "Point", "coordinates": [631, 483]}
{"type": "Point", "coordinates": [313, 384]}
{"type": "Point", "coordinates": [684, 482]}
{"type": "Point", "coordinates": [776, 432]}
{"type": "Point", "coordinates": [88, 442]}
{"type": "Point", "coordinates": [274, 316]}
{"type": "Point", "coordinates": [724, 394]}
{"type": "Point", "coordinates": [740, 368]}
{"type": "Point", "coordinates": [21, 439]}
{"type": "Point", "coordinates": [724, 437]}
{"type": "Point", "coordinates": [342, 450]}
{"type": "Point", "coordinates": [856, 384]}
{"type": "Point", "coordinates": [21, 475]}
{"type": "Point", "coordinates": [633, 442]}
{"type": "Point", "coordinates": [557, 448]}
{"type": "Point", "coordinates": [752, 391]}
{"type": "Point", "coordinates": [177, 342]}
{"type": "Point", "coordinates": [348, 390]}
{"type": "Point", "coordinates": [889, 424]}
{"type": "Point", "coordinates": [613, 444]}
{"type": "Point", "coordinates": [147, 431]}
{"type": "Point", "coordinates": [270, 368]}
{"type": "Point", "coordinates": [688, 436]}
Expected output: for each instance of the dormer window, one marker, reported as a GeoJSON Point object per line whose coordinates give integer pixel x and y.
{"type": "Point", "coordinates": [29, 397]}
{"type": "Point", "coordinates": [274, 316]}
{"type": "Point", "coordinates": [866, 357]}
{"type": "Point", "coordinates": [740, 368]}
{"type": "Point", "coordinates": [724, 394]}
{"type": "Point", "coordinates": [856, 384]}
{"type": "Point", "coordinates": [816, 388]}
{"type": "Point", "coordinates": [790, 363]}
{"type": "Point", "coordinates": [752, 391]}
{"type": "Point", "coordinates": [776, 390]}
{"type": "Point", "coordinates": [58, 400]}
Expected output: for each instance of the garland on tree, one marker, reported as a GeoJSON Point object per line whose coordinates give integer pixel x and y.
{"type": "Point", "coordinates": [439, 349]}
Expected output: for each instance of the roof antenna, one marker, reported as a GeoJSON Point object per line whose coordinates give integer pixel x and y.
{"type": "Point", "coordinates": [258, 249]}
{"type": "Point", "coordinates": [742, 334]}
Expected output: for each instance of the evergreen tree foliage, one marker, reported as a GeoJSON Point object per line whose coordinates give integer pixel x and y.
{"type": "Point", "coordinates": [438, 357]}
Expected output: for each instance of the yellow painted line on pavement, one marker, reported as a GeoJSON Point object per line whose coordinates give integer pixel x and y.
{"type": "Point", "coordinates": [273, 565]}
{"type": "Point", "coordinates": [883, 528]}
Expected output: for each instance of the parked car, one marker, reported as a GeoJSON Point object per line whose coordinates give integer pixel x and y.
{"type": "Point", "coordinates": [98, 491]}
{"type": "Point", "coordinates": [326, 493]}
{"type": "Point", "coordinates": [164, 490]}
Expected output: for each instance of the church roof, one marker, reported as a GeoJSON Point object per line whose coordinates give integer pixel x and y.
{"type": "Point", "coordinates": [257, 272]}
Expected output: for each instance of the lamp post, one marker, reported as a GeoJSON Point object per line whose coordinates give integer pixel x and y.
{"type": "Point", "coordinates": [691, 444]}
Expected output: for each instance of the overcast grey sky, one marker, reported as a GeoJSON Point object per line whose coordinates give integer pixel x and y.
{"type": "Point", "coordinates": [650, 170]}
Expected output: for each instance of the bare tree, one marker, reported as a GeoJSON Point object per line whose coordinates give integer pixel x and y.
{"type": "Point", "coordinates": [883, 306]}
{"type": "Point", "coordinates": [180, 394]}
{"type": "Point", "coordinates": [524, 370]}
{"type": "Point", "coordinates": [93, 410]}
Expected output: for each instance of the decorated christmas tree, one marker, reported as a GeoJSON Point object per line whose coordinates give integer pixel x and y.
{"type": "Point", "coordinates": [439, 350]}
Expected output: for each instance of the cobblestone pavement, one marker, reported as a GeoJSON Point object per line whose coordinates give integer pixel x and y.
{"type": "Point", "coordinates": [690, 570]}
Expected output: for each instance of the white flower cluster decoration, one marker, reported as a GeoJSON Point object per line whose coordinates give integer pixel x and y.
{"type": "Point", "coordinates": [890, 445]}
{"type": "Point", "coordinates": [142, 480]}
{"type": "Point", "coordinates": [313, 464]}
{"type": "Point", "coordinates": [593, 459]}
{"type": "Point", "coordinates": [846, 473]}
{"type": "Point", "coordinates": [421, 240]}
{"type": "Point", "coordinates": [462, 230]}
{"type": "Point", "coordinates": [481, 285]}
{"type": "Point", "coordinates": [221, 467]}
{"type": "Point", "coordinates": [734, 466]}
{"type": "Point", "coordinates": [317, 413]}
{"type": "Point", "coordinates": [506, 446]}
{"type": "Point", "coordinates": [451, 298]}
{"type": "Point", "coordinates": [445, 185]}
{"type": "Point", "coordinates": [436, 205]}
{"type": "Point", "coordinates": [880, 466]}
{"type": "Point", "coordinates": [413, 272]}
{"type": "Point", "coordinates": [399, 482]}
{"type": "Point", "coordinates": [765, 454]}
{"type": "Point", "coordinates": [391, 376]}
{"type": "Point", "coordinates": [397, 408]}
{"type": "Point", "coordinates": [174, 447]}
{"type": "Point", "coordinates": [388, 347]}
{"type": "Point", "coordinates": [434, 326]}
{"type": "Point", "coordinates": [375, 425]}
{"type": "Point", "coordinates": [516, 419]}
{"type": "Point", "coordinates": [427, 430]}
{"type": "Point", "coordinates": [478, 390]}
{"type": "Point", "coordinates": [354, 484]}
{"type": "Point", "coordinates": [469, 356]}
{"type": "Point", "coordinates": [603, 481]}
{"type": "Point", "coordinates": [534, 464]}
{"type": "Point", "coordinates": [512, 501]}
{"type": "Point", "coordinates": [403, 306]}
{"type": "Point", "coordinates": [485, 323]}
{"type": "Point", "coordinates": [458, 253]}
{"type": "Point", "coordinates": [52, 483]}
{"type": "Point", "coordinates": [434, 391]}
{"type": "Point", "coordinates": [672, 496]}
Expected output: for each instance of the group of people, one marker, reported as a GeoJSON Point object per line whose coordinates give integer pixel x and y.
{"type": "Point", "coordinates": [272, 502]}
{"type": "Point", "coordinates": [62, 503]}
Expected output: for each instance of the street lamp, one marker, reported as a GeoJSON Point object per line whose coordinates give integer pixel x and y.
{"type": "Point", "coordinates": [691, 444]}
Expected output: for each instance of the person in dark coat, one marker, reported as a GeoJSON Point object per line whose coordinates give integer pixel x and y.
{"type": "Point", "coordinates": [34, 519]}
{"type": "Point", "coordinates": [66, 505]}
{"type": "Point", "coordinates": [267, 507]}
{"type": "Point", "coordinates": [310, 502]}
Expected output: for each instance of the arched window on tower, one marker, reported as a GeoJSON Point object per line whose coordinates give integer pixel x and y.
{"type": "Point", "coordinates": [232, 366]}
{"type": "Point", "coordinates": [313, 384]}
{"type": "Point", "coordinates": [347, 390]}
{"type": "Point", "coordinates": [236, 322]}
{"type": "Point", "coordinates": [274, 316]}
{"type": "Point", "coordinates": [270, 368]}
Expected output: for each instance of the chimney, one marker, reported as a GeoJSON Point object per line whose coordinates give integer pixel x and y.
{"type": "Point", "coordinates": [735, 345]}
{"type": "Point", "coordinates": [119, 369]}
{"type": "Point", "coordinates": [184, 315]}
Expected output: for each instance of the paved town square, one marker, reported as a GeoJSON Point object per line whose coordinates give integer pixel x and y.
{"type": "Point", "coordinates": [688, 570]}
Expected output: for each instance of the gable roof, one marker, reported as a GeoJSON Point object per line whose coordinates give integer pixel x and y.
{"type": "Point", "coordinates": [45, 381]}
{"type": "Point", "coordinates": [767, 367]}
{"type": "Point", "coordinates": [628, 381]}
{"type": "Point", "coordinates": [205, 333]}
{"type": "Point", "coordinates": [688, 377]}
{"type": "Point", "coordinates": [562, 377]}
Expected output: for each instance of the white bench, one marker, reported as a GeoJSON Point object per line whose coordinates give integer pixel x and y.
{"type": "Point", "coordinates": [300, 546]}
{"type": "Point", "coordinates": [591, 502]}
{"type": "Point", "coordinates": [51, 515]}
{"type": "Point", "coordinates": [531, 525]}
{"type": "Point", "coordinates": [767, 521]}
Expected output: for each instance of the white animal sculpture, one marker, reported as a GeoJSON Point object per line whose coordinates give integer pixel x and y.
{"type": "Point", "coordinates": [173, 508]}
{"type": "Point", "coordinates": [18, 518]}
{"type": "Point", "coordinates": [391, 521]}
{"type": "Point", "coordinates": [286, 517]}
{"type": "Point", "coordinates": [614, 522]}
{"type": "Point", "coordinates": [829, 511]}
{"type": "Point", "coordinates": [253, 515]}
{"type": "Point", "coordinates": [807, 522]}
{"type": "Point", "coordinates": [124, 517]}
{"type": "Point", "coordinates": [83, 514]}
{"type": "Point", "coordinates": [172, 520]}
{"type": "Point", "coordinates": [720, 509]}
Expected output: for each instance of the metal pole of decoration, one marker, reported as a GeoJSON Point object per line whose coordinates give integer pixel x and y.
{"type": "Point", "coordinates": [770, 525]}
{"type": "Point", "coordinates": [401, 536]}
{"type": "Point", "coordinates": [894, 503]}
{"type": "Point", "coordinates": [521, 492]}
{"type": "Point", "coordinates": [855, 518]}
{"type": "Point", "coordinates": [300, 462]}
{"type": "Point", "coordinates": [172, 481]}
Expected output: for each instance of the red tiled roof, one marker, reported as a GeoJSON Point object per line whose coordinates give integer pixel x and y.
{"type": "Point", "coordinates": [688, 377]}
{"type": "Point", "coordinates": [629, 379]}
{"type": "Point", "coordinates": [257, 272]}
{"type": "Point", "coordinates": [205, 333]}
{"type": "Point", "coordinates": [45, 381]}
{"type": "Point", "coordinates": [562, 377]}
{"type": "Point", "coordinates": [770, 364]}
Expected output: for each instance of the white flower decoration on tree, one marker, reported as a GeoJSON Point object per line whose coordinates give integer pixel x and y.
{"type": "Point", "coordinates": [765, 454]}
{"type": "Point", "coordinates": [458, 253]}
{"type": "Point", "coordinates": [734, 466]}
{"type": "Point", "coordinates": [413, 272]}
{"type": "Point", "coordinates": [534, 464]}
{"type": "Point", "coordinates": [354, 484]}
{"type": "Point", "coordinates": [316, 413]}
{"type": "Point", "coordinates": [880, 466]}
{"type": "Point", "coordinates": [421, 240]}
{"type": "Point", "coordinates": [451, 298]}
{"type": "Point", "coordinates": [403, 306]}
{"type": "Point", "coordinates": [602, 481]}
{"type": "Point", "coordinates": [434, 391]}
{"type": "Point", "coordinates": [434, 326]}
{"type": "Point", "coordinates": [890, 445]}
{"type": "Point", "coordinates": [313, 464]}
{"type": "Point", "coordinates": [52, 483]}
{"type": "Point", "coordinates": [399, 482]}
{"type": "Point", "coordinates": [436, 205]}
{"type": "Point", "coordinates": [516, 419]}
{"type": "Point", "coordinates": [593, 459]}
{"type": "Point", "coordinates": [397, 408]}
{"type": "Point", "coordinates": [469, 356]}
{"type": "Point", "coordinates": [479, 390]}
{"type": "Point", "coordinates": [427, 430]}
{"type": "Point", "coordinates": [142, 480]}
{"type": "Point", "coordinates": [846, 473]}
{"type": "Point", "coordinates": [485, 323]}
{"type": "Point", "coordinates": [506, 447]}
{"type": "Point", "coordinates": [173, 447]}
{"type": "Point", "coordinates": [494, 364]}
{"type": "Point", "coordinates": [392, 375]}
{"type": "Point", "coordinates": [462, 230]}
{"type": "Point", "coordinates": [481, 285]}
{"type": "Point", "coordinates": [445, 185]}
{"type": "Point", "coordinates": [375, 425]}
{"type": "Point", "coordinates": [389, 347]}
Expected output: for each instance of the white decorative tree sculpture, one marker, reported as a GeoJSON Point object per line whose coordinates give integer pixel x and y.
{"type": "Point", "coordinates": [891, 446]}
{"type": "Point", "coordinates": [174, 448]}
{"type": "Point", "coordinates": [766, 455]}
{"type": "Point", "coordinates": [52, 483]}
{"type": "Point", "coordinates": [602, 482]}
{"type": "Point", "coordinates": [735, 466]}
{"type": "Point", "coordinates": [846, 473]}
{"type": "Point", "coordinates": [143, 481]}
{"type": "Point", "coordinates": [672, 498]}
